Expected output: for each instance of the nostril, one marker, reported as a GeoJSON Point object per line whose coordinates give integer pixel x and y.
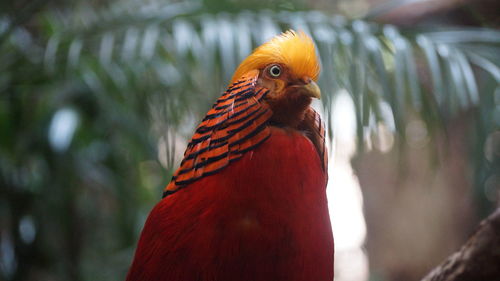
{"type": "Point", "coordinates": [306, 80]}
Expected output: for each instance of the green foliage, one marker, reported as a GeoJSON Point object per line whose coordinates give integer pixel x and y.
{"type": "Point", "coordinates": [87, 94]}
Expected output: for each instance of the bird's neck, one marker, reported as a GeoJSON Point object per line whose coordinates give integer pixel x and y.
{"type": "Point", "coordinates": [289, 111]}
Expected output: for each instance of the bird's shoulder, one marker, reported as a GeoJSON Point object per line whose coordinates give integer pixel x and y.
{"type": "Point", "coordinates": [238, 122]}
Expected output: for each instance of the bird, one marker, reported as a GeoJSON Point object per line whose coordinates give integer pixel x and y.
{"type": "Point", "coordinates": [248, 202]}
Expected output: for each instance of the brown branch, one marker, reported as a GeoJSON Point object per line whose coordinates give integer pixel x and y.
{"type": "Point", "coordinates": [478, 259]}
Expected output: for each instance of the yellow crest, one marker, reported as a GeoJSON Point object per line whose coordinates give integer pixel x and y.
{"type": "Point", "coordinates": [295, 50]}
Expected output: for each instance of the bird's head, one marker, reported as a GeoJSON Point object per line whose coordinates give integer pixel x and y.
{"type": "Point", "coordinates": [287, 65]}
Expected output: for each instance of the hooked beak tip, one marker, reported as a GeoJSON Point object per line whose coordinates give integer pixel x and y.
{"type": "Point", "coordinates": [312, 90]}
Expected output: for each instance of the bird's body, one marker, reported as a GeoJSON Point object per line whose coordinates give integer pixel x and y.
{"type": "Point", "coordinates": [249, 200]}
{"type": "Point", "coordinates": [265, 224]}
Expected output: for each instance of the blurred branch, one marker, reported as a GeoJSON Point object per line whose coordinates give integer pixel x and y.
{"type": "Point", "coordinates": [478, 259]}
{"type": "Point", "coordinates": [22, 12]}
{"type": "Point", "coordinates": [443, 12]}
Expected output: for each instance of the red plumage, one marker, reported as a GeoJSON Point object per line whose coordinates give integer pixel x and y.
{"type": "Point", "coordinates": [264, 224]}
{"type": "Point", "coordinates": [249, 199]}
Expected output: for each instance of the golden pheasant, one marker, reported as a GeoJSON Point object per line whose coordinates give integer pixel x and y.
{"type": "Point", "coordinates": [248, 201]}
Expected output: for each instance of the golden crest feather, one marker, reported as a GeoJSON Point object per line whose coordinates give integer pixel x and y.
{"type": "Point", "coordinates": [296, 50]}
{"type": "Point", "coordinates": [239, 120]}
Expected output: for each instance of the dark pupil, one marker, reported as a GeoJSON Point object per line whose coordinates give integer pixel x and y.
{"type": "Point", "coordinates": [275, 71]}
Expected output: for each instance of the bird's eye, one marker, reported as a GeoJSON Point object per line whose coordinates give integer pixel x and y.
{"type": "Point", "coordinates": [275, 71]}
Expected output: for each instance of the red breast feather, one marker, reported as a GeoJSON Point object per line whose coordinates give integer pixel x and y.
{"type": "Point", "coordinates": [264, 217]}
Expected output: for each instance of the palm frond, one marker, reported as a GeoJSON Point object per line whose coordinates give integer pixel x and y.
{"type": "Point", "coordinates": [179, 48]}
{"type": "Point", "coordinates": [135, 78]}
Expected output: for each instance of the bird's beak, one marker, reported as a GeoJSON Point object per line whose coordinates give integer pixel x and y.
{"type": "Point", "coordinates": [311, 89]}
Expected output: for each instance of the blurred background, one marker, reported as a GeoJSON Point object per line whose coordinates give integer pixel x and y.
{"type": "Point", "coordinates": [98, 99]}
